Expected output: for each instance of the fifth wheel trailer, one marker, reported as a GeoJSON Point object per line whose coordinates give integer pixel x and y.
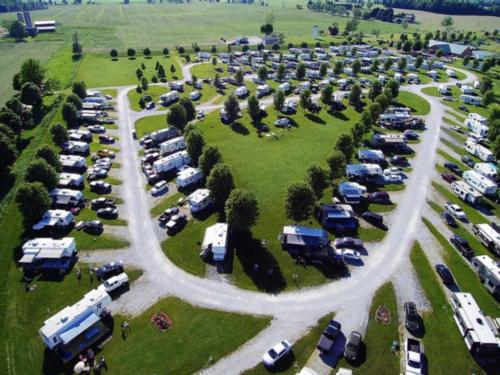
{"type": "Point", "coordinates": [171, 162]}
{"type": "Point", "coordinates": [480, 183]}
{"type": "Point", "coordinates": [479, 151]}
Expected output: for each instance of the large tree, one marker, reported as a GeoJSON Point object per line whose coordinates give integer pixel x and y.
{"type": "Point", "coordinates": [50, 155]}
{"type": "Point", "coordinates": [345, 145]}
{"type": "Point", "coordinates": [300, 71]}
{"type": "Point", "coordinates": [39, 170]}
{"type": "Point", "coordinates": [59, 134]}
{"type": "Point", "coordinates": [356, 66]}
{"type": "Point", "coordinates": [12, 120]}
{"type": "Point", "coordinates": [8, 153]}
{"type": "Point", "coordinates": [305, 99]}
{"type": "Point", "coordinates": [375, 90]}
{"type": "Point", "coordinates": [189, 107]}
{"type": "Point", "coordinates": [392, 88]}
{"type": "Point", "coordinates": [317, 177]}
{"type": "Point", "coordinates": [70, 114]}
{"type": "Point", "coordinates": [30, 94]}
{"type": "Point", "coordinates": [194, 145]}
{"type": "Point", "coordinates": [32, 71]}
{"type": "Point", "coordinates": [176, 116]}
{"type": "Point", "coordinates": [281, 73]}
{"type": "Point", "coordinates": [299, 201]}
{"type": "Point", "coordinates": [220, 182]}
{"type": "Point", "coordinates": [355, 95]}
{"type": "Point", "coordinates": [327, 94]}
{"type": "Point", "coordinates": [262, 73]}
{"type": "Point", "coordinates": [336, 163]}
{"type": "Point", "coordinates": [75, 99]}
{"type": "Point", "coordinates": [210, 156]}
{"type": "Point", "coordinates": [80, 88]}
{"type": "Point", "coordinates": [17, 31]}
{"type": "Point", "coordinates": [33, 201]}
{"type": "Point", "coordinates": [278, 100]}
{"type": "Point", "coordinates": [242, 210]}
{"type": "Point", "coordinates": [253, 108]}
{"type": "Point", "coordinates": [232, 107]}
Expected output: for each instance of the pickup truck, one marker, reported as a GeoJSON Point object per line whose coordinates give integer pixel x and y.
{"type": "Point", "coordinates": [327, 339]}
{"type": "Point", "coordinates": [414, 353]}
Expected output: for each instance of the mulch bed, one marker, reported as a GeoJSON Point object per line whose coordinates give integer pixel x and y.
{"type": "Point", "coordinates": [383, 315]}
{"type": "Point", "coordinates": [161, 321]}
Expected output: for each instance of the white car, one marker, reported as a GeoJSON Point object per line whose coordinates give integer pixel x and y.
{"type": "Point", "coordinates": [114, 282]}
{"type": "Point", "coordinates": [277, 352]}
{"type": "Point", "coordinates": [393, 179]}
{"type": "Point", "coordinates": [159, 188]}
{"type": "Point", "coordinates": [350, 254]}
{"type": "Point", "coordinates": [393, 171]}
{"type": "Point", "coordinates": [455, 210]}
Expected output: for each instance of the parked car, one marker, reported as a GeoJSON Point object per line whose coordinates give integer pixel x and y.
{"type": "Point", "coordinates": [91, 227]}
{"type": "Point", "coordinates": [378, 197]}
{"type": "Point", "coordinates": [414, 354]}
{"type": "Point", "coordinates": [102, 202]}
{"type": "Point", "coordinates": [276, 353]}
{"type": "Point", "coordinates": [159, 188]}
{"type": "Point", "coordinates": [352, 346]}
{"type": "Point", "coordinates": [445, 274]}
{"type": "Point", "coordinates": [106, 153]}
{"type": "Point", "coordinates": [412, 319]}
{"type": "Point", "coordinates": [350, 242]}
{"type": "Point", "coordinates": [108, 270]}
{"type": "Point", "coordinates": [328, 337]}
{"type": "Point", "coordinates": [176, 223]}
{"type": "Point", "coordinates": [467, 160]}
{"type": "Point", "coordinates": [150, 105]}
{"type": "Point", "coordinates": [114, 282]}
{"type": "Point", "coordinates": [107, 213]}
{"type": "Point", "coordinates": [372, 217]}
{"type": "Point", "coordinates": [282, 122]}
{"type": "Point", "coordinates": [97, 129]}
{"type": "Point", "coordinates": [449, 219]}
{"type": "Point", "coordinates": [453, 167]}
{"type": "Point", "coordinates": [463, 108]}
{"type": "Point", "coordinates": [106, 139]}
{"type": "Point", "coordinates": [100, 187]}
{"type": "Point", "coordinates": [398, 160]}
{"type": "Point", "coordinates": [169, 212]}
{"type": "Point", "coordinates": [411, 134]}
{"type": "Point", "coordinates": [350, 255]}
{"type": "Point", "coordinates": [455, 210]}
{"type": "Point", "coordinates": [96, 174]}
{"type": "Point", "coordinates": [448, 177]}
{"type": "Point", "coordinates": [462, 245]}
{"type": "Point", "coordinates": [200, 115]}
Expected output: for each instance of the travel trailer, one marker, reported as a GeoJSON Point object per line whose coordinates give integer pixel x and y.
{"type": "Point", "coordinates": [48, 254]}
{"type": "Point", "coordinates": [466, 193]}
{"type": "Point", "coordinates": [215, 241]}
{"type": "Point", "coordinates": [480, 183]}
{"type": "Point", "coordinates": [199, 200]}
{"type": "Point", "coordinates": [172, 145]}
{"type": "Point", "coordinates": [169, 98]}
{"type": "Point", "coordinates": [171, 162]}
{"type": "Point", "coordinates": [488, 236]}
{"type": "Point", "coordinates": [479, 151]}
{"type": "Point", "coordinates": [488, 170]}
{"type": "Point", "coordinates": [188, 176]}
{"type": "Point", "coordinates": [488, 271]}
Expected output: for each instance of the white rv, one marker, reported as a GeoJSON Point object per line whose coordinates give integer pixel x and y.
{"type": "Point", "coordinates": [488, 272]}
{"type": "Point", "coordinates": [165, 134]}
{"type": "Point", "coordinates": [451, 73]}
{"type": "Point", "coordinates": [433, 74]}
{"type": "Point", "coordinates": [71, 162]}
{"type": "Point", "coordinates": [285, 87]}
{"type": "Point", "coordinates": [480, 183]}
{"type": "Point", "coordinates": [66, 197]}
{"type": "Point", "coordinates": [488, 170]}
{"type": "Point", "coordinates": [444, 90]}
{"type": "Point", "coordinates": [465, 192]}
{"type": "Point", "coordinates": [263, 90]}
{"type": "Point", "coordinates": [480, 151]}
{"type": "Point", "coordinates": [169, 98]}
{"type": "Point", "coordinates": [488, 236]}
{"type": "Point", "coordinates": [171, 162]}
{"type": "Point", "coordinates": [70, 180]}
{"type": "Point", "coordinates": [172, 145]}
{"type": "Point", "coordinates": [473, 325]}
{"type": "Point", "coordinates": [363, 170]}
{"type": "Point", "coordinates": [476, 127]}
{"type": "Point", "coordinates": [467, 90]}
{"type": "Point", "coordinates": [241, 91]}
{"type": "Point", "coordinates": [469, 99]}
{"type": "Point", "coordinates": [177, 86]}
{"type": "Point", "coordinates": [188, 176]}
{"type": "Point", "coordinates": [199, 200]}
{"type": "Point", "coordinates": [351, 192]}
{"type": "Point", "coordinates": [398, 77]}
{"type": "Point", "coordinates": [70, 322]}
{"type": "Point", "coordinates": [94, 99]}
{"type": "Point", "coordinates": [55, 219]}
{"type": "Point", "coordinates": [215, 241]}
{"type": "Point", "coordinates": [75, 147]}
{"type": "Point", "coordinates": [477, 117]}
{"type": "Point", "coordinates": [49, 253]}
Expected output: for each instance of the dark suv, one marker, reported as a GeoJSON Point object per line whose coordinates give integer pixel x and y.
{"type": "Point", "coordinates": [462, 245]}
{"type": "Point", "coordinates": [108, 270]}
{"type": "Point", "coordinates": [412, 319]}
{"type": "Point", "coordinates": [454, 168]}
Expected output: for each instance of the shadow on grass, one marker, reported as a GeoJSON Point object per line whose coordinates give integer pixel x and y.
{"type": "Point", "coordinates": [315, 119]}
{"type": "Point", "coordinates": [258, 263]}
{"type": "Point", "coordinates": [338, 115]}
{"type": "Point", "coordinates": [283, 365]}
{"type": "Point", "coordinates": [239, 128]}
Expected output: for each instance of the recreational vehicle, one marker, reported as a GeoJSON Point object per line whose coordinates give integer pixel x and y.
{"type": "Point", "coordinates": [172, 145]}
{"type": "Point", "coordinates": [469, 99]}
{"type": "Point", "coordinates": [488, 236]}
{"type": "Point", "coordinates": [467, 90]}
{"type": "Point", "coordinates": [74, 147]}
{"type": "Point", "coordinates": [363, 170]}
{"type": "Point", "coordinates": [199, 200]}
{"type": "Point", "coordinates": [444, 90]}
{"type": "Point", "coordinates": [241, 92]}
{"type": "Point", "coordinates": [473, 325]}
{"type": "Point", "coordinates": [451, 73]}
{"type": "Point", "coordinates": [70, 180]}
{"type": "Point", "coordinates": [488, 271]}
{"type": "Point", "coordinates": [351, 192]}
{"type": "Point", "coordinates": [477, 117]}
{"type": "Point", "coordinates": [171, 162]}
{"type": "Point", "coordinates": [215, 241]}
{"type": "Point", "coordinates": [263, 90]}
{"type": "Point", "coordinates": [488, 170]}
{"type": "Point", "coordinates": [72, 162]}
{"type": "Point", "coordinates": [307, 242]}
{"type": "Point", "coordinates": [55, 219]}
{"type": "Point", "coordinates": [66, 197]}
{"type": "Point", "coordinates": [169, 98]}
{"type": "Point", "coordinates": [188, 176]}
{"type": "Point", "coordinates": [48, 254]}
{"type": "Point", "coordinates": [476, 127]}
{"type": "Point", "coordinates": [338, 217]}
{"type": "Point", "coordinates": [479, 151]}
{"type": "Point", "coordinates": [466, 193]}
{"type": "Point", "coordinates": [165, 134]}
{"type": "Point", "coordinates": [371, 156]}
{"type": "Point", "coordinates": [480, 183]}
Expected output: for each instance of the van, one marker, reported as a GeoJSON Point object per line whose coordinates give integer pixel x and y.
{"type": "Point", "coordinates": [115, 282]}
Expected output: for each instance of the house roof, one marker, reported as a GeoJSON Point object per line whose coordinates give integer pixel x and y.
{"type": "Point", "coordinates": [453, 48]}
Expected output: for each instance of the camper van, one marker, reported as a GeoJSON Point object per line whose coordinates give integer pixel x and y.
{"type": "Point", "coordinates": [466, 193]}
{"type": "Point", "coordinates": [469, 99]}
{"type": "Point", "coordinates": [479, 337]}
{"type": "Point", "coordinates": [480, 183]}
{"type": "Point", "coordinates": [199, 200]}
{"type": "Point", "coordinates": [169, 98]}
{"type": "Point", "coordinates": [479, 151]}
{"type": "Point", "coordinates": [172, 145]}
{"type": "Point", "coordinates": [188, 176]}
{"type": "Point", "coordinates": [488, 271]}
{"type": "Point", "coordinates": [171, 162]}
{"type": "Point", "coordinates": [488, 170]}
{"type": "Point", "coordinates": [215, 241]}
{"type": "Point", "coordinates": [488, 236]}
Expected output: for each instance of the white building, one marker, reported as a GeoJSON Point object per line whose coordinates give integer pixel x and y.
{"type": "Point", "coordinates": [55, 219]}
{"type": "Point", "coordinates": [172, 145]}
{"type": "Point", "coordinates": [171, 162]}
{"type": "Point", "coordinates": [480, 183]}
{"type": "Point", "coordinates": [215, 241]}
{"type": "Point", "coordinates": [188, 176]}
{"type": "Point", "coordinates": [199, 200]}
{"type": "Point", "coordinates": [488, 272]}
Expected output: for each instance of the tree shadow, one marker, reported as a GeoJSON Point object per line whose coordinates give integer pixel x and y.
{"type": "Point", "coordinates": [315, 119]}
{"type": "Point", "coordinates": [114, 59]}
{"type": "Point", "coordinates": [7, 181]}
{"type": "Point", "coordinates": [338, 115]}
{"type": "Point", "coordinates": [239, 128]}
{"type": "Point", "coordinates": [258, 263]}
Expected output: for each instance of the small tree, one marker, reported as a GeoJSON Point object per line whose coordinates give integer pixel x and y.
{"type": "Point", "coordinates": [172, 68]}
{"type": "Point", "coordinates": [8, 153]}
{"type": "Point", "coordinates": [113, 53]}
{"type": "Point", "coordinates": [210, 156]}
{"type": "Point", "coordinates": [345, 145]}
{"type": "Point", "coordinates": [375, 110]}
{"type": "Point", "coordinates": [266, 29]}
{"type": "Point", "coordinates": [30, 94]}
{"type": "Point", "coordinates": [232, 107]}
{"type": "Point", "coordinates": [299, 201]}
{"type": "Point", "coordinates": [402, 63]}
{"type": "Point", "coordinates": [176, 116]}
{"type": "Point", "coordinates": [357, 132]}
{"type": "Point", "coordinates": [300, 72]}
{"type": "Point", "coordinates": [80, 88]}
{"type": "Point", "coordinates": [355, 95]}
{"type": "Point", "coordinates": [281, 73]}
{"type": "Point", "coordinates": [70, 114]}
{"type": "Point", "coordinates": [12, 120]}
{"type": "Point", "coordinates": [189, 107]}
{"type": "Point", "coordinates": [392, 88]}
{"type": "Point", "coordinates": [375, 90]}
{"type": "Point", "coordinates": [305, 99]}
{"type": "Point", "coordinates": [366, 120]}
{"type": "Point", "coordinates": [356, 67]}
{"type": "Point", "coordinates": [326, 94]}
{"type": "Point", "coordinates": [59, 134]}
{"type": "Point", "coordinates": [488, 98]}
{"type": "Point", "coordinates": [447, 22]}
{"type": "Point", "coordinates": [76, 46]}
{"type": "Point", "coordinates": [16, 82]}
{"type": "Point", "coordinates": [375, 65]}
{"type": "Point", "coordinates": [278, 100]}
{"type": "Point", "coordinates": [496, 147]}
{"type": "Point", "coordinates": [144, 83]}
{"type": "Point", "coordinates": [75, 99]}
{"type": "Point", "coordinates": [323, 69]}
{"type": "Point", "coordinates": [194, 145]}
{"type": "Point", "coordinates": [17, 31]}
{"type": "Point", "coordinates": [317, 178]}
{"type": "Point", "coordinates": [49, 154]}
{"type": "Point", "coordinates": [33, 201]}
{"type": "Point", "coordinates": [418, 62]}
{"type": "Point", "coordinates": [336, 163]}
{"type": "Point", "coordinates": [146, 52]}
{"type": "Point", "coordinates": [39, 170]}
{"type": "Point", "coordinates": [486, 84]}
{"type": "Point", "coordinates": [139, 73]}
{"type": "Point", "coordinates": [220, 182]}
{"type": "Point", "coordinates": [262, 73]}
{"type": "Point", "coordinates": [384, 99]}
{"type": "Point", "coordinates": [165, 51]}
{"type": "Point", "coordinates": [239, 77]}
{"type": "Point", "coordinates": [253, 108]}
{"type": "Point", "coordinates": [32, 71]}
{"type": "Point", "coordinates": [388, 64]}
{"type": "Point", "coordinates": [338, 68]}
{"type": "Point", "coordinates": [130, 53]}
{"type": "Point", "coordinates": [242, 210]}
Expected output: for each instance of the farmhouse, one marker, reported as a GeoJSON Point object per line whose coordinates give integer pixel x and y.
{"type": "Point", "coordinates": [454, 49]}
{"type": "Point", "coordinates": [48, 254]}
{"type": "Point", "coordinates": [215, 241]}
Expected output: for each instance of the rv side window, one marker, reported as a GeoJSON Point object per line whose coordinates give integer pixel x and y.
{"type": "Point", "coordinates": [469, 340]}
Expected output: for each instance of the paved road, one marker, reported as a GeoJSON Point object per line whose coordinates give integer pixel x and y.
{"type": "Point", "coordinates": [292, 312]}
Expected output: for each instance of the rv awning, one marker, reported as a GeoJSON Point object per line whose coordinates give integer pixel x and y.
{"type": "Point", "coordinates": [27, 259]}
{"type": "Point", "coordinates": [78, 327]}
{"type": "Point", "coordinates": [48, 222]}
{"type": "Point", "coordinates": [51, 253]}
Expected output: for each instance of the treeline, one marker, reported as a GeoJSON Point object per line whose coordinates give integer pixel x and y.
{"type": "Point", "coordinates": [465, 7]}
{"type": "Point", "coordinates": [18, 5]}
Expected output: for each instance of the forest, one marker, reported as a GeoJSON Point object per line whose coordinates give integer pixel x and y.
{"type": "Point", "coordinates": [463, 7]}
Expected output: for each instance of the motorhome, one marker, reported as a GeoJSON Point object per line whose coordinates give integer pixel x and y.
{"type": "Point", "coordinates": [77, 327]}
{"type": "Point", "coordinates": [388, 140]}
{"type": "Point", "coordinates": [188, 176]}
{"type": "Point", "coordinates": [473, 325]}
{"type": "Point", "coordinates": [363, 170]}
{"type": "Point", "coordinates": [176, 86]}
{"type": "Point", "coordinates": [70, 180]}
{"type": "Point", "coordinates": [48, 254]}
{"type": "Point", "coordinates": [371, 156]}
{"type": "Point", "coordinates": [263, 90]}
{"type": "Point", "coordinates": [480, 183]}
{"type": "Point", "coordinates": [351, 192]}
{"type": "Point", "coordinates": [241, 91]}
{"type": "Point", "coordinates": [437, 64]}
{"type": "Point", "coordinates": [451, 73]}
{"type": "Point", "coordinates": [444, 90]}
{"type": "Point", "coordinates": [488, 170]}
{"type": "Point", "coordinates": [165, 134]}
{"type": "Point", "coordinates": [305, 241]}
{"type": "Point", "coordinates": [72, 162]}
{"type": "Point", "coordinates": [171, 162]}
{"type": "Point", "coordinates": [469, 99]}
{"type": "Point", "coordinates": [488, 236]}
{"type": "Point", "coordinates": [199, 200]}
{"type": "Point", "coordinates": [66, 197]}
{"type": "Point", "coordinates": [76, 148]}
{"type": "Point", "coordinates": [338, 217]}
{"type": "Point", "coordinates": [488, 272]}
{"type": "Point", "coordinates": [215, 241]}
{"type": "Point", "coordinates": [55, 219]}
{"type": "Point", "coordinates": [479, 151]}
{"type": "Point", "coordinates": [466, 193]}
{"type": "Point", "coordinates": [80, 135]}
{"type": "Point", "coordinates": [172, 145]}
{"type": "Point", "coordinates": [476, 128]}
{"type": "Point", "coordinates": [169, 98]}
{"type": "Point", "coordinates": [398, 77]}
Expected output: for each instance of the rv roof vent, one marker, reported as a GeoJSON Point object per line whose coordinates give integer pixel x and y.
{"type": "Point", "coordinates": [64, 318]}
{"type": "Point", "coordinates": [480, 321]}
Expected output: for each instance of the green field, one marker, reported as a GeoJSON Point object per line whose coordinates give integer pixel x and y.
{"type": "Point", "coordinates": [417, 104]}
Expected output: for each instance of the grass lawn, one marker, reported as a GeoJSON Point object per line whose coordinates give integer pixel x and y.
{"type": "Point", "coordinates": [122, 70]}
{"type": "Point", "coordinates": [302, 350]}
{"type": "Point", "coordinates": [450, 158]}
{"type": "Point", "coordinates": [439, 324]}
{"type": "Point", "coordinates": [417, 104]}
{"type": "Point", "coordinates": [432, 91]}
{"type": "Point", "coordinates": [472, 214]}
{"type": "Point", "coordinates": [164, 204]}
{"type": "Point", "coordinates": [104, 241]}
{"type": "Point", "coordinates": [87, 215]}
{"type": "Point", "coordinates": [458, 116]}
{"type": "Point", "coordinates": [454, 134]}
{"type": "Point", "coordinates": [377, 357]}
{"type": "Point", "coordinates": [207, 70]}
{"type": "Point", "coordinates": [382, 207]}
{"type": "Point", "coordinates": [465, 277]}
{"type": "Point", "coordinates": [149, 124]}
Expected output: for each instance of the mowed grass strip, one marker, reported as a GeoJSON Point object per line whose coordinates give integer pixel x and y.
{"type": "Point", "coordinates": [416, 103]}
{"type": "Point", "coordinates": [466, 278]}
{"type": "Point", "coordinates": [451, 159]}
{"type": "Point", "coordinates": [164, 204]}
{"type": "Point", "coordinates": [439, 324]}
